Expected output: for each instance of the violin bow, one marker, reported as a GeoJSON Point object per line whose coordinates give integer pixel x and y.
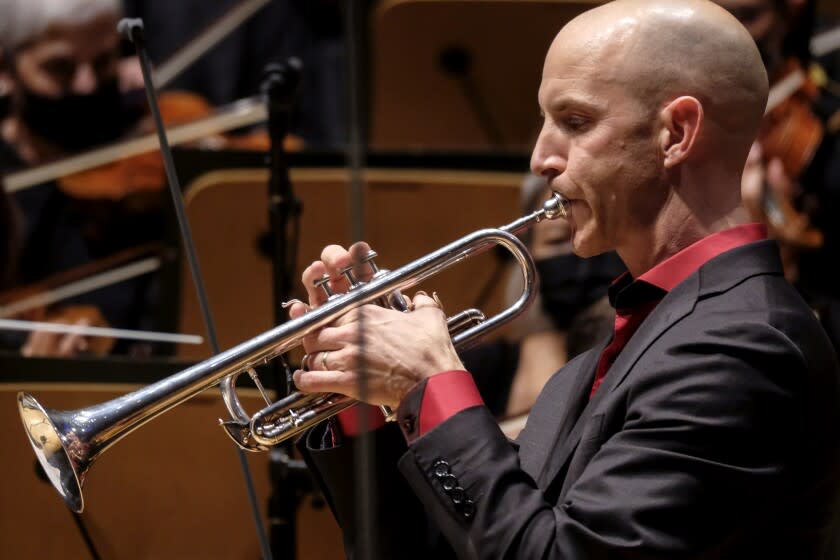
{"type": "Point", "coordinates": [204, 41]}
{"type": "Point", "coordinates": [107, 332]}
{"type": "Point", "coordinates": [75, 288]}
{"type": "Point", "coordinates": [244, 112]}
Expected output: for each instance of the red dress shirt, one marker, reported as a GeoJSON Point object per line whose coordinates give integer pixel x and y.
{"type": "Point", "coordinates": [633, 300]}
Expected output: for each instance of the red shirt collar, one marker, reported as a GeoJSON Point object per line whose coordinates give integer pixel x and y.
{"type": "Point", "coordinates": [678, 267]}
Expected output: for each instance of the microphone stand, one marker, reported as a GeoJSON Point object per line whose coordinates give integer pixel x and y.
{"type": "Point", "coordinates": [290, 478]}
{"type": "Point", "coordinates": [81, 527]}
{"type": "Point", "coordinates": [133, 30]}
{"type": "Point", "coordinates": [279, 85]}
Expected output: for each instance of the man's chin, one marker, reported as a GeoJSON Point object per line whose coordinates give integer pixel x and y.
{"type": "Point", "coordinates": [585, 248]}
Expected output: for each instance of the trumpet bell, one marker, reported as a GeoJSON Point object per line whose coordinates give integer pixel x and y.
{"type": "Point", "coordinates": [60, 464]}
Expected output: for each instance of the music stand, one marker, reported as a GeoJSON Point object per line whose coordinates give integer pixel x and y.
{"type": "Point", "coordinates": [461, 74]}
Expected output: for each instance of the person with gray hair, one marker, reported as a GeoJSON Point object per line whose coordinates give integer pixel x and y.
{"type": "Point", "coordinates": [63, 64]}
{"type": "Point", "coordinates": [63, 58]}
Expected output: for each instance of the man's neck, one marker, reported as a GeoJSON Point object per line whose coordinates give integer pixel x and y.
{"type": "Point", "coordinates": [675, 230]}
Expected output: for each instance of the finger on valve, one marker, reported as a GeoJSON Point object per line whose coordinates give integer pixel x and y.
{"type": "Point", "coordinates": [336, 259]}
{"type": "Point", "coordinates": [360, 253]}
{"type": "Point", "coordinates": [309, 277]}
{"type": "Point", "coordinates": [348, 267]}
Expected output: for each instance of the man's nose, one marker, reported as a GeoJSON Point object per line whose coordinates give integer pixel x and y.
{"type": "Point", "coordinates": [84, 80]}
{"type": "Point", "coordinates": [548, 158]}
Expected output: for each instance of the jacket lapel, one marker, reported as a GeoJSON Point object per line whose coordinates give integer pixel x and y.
{"type": "Point", "coordinates": [568, 408]}
{"type": "Point", "coordinates": [676, 305]}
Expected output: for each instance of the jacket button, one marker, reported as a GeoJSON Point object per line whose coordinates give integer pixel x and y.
{"type": "Point", "coordinates": [468, 508]}
{"type": "Point", "coordinates": [457, 495]}
{"type": "Point", "coordinates": [441, 468]}
{"type": "Point", "coordinates": [449, 482]}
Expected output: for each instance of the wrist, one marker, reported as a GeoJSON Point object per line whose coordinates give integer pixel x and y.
{"type": "Point", "coordinates": [401, 387]}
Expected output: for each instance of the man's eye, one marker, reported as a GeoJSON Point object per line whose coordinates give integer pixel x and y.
{"type": "Point", "coordinates": [574, 122]}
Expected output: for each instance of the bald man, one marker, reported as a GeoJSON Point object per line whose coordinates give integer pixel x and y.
{"type": "Point", "coordinates": [707, 426]}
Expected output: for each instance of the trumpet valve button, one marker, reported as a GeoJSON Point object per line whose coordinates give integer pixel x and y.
{"type": "Point", "coordinates": [324, 284]}
{"type": "Point", "coordinates": [347, 271]}
{"type": "Point", "coordinates": [369, 260]}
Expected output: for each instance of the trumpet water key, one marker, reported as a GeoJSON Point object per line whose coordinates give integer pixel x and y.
{"type": "Point", "coordinates": [68, 442]}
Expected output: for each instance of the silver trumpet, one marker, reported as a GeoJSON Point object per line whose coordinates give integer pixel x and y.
{"type": "Point", "coordinates": [68, 442]}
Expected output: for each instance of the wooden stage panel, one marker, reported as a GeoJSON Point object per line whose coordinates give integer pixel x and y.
{"type": "Point", "coordinates": [171, 489]}
{"type": "Point", "coordinates": [416, 103]}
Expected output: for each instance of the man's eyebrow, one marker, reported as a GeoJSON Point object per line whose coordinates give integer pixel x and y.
{"type": "Point", "coordinates": [563, 103]}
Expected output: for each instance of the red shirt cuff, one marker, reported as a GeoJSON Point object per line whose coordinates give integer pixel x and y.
{"type": "Point", "coordinates": [446, 395]}
{"type": "Point", "coordinates": [348, 419]}
{"type": "Point", "coordinates": [435, 400]}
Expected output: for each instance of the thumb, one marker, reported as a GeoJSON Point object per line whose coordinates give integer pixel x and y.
{"type": "Point", "coordinates": [421, 299]}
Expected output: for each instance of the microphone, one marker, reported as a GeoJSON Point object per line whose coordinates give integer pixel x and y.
{"type": "Point", "coordinates": [131, 29]}
{"type": "Point", "coordinates": [281, 79]}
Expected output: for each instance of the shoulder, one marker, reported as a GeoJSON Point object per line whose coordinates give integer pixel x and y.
{"type": "Point", "coordinates": [761, 314]}
{"type": "Point", "coordinates": [758, 339]}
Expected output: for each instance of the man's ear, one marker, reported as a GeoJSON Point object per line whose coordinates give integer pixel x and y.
{"type": "Point", "coordinates": [681, 121]}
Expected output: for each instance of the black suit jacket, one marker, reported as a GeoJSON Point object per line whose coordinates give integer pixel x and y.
{"type": "Point", "coordinates": [714, 435]}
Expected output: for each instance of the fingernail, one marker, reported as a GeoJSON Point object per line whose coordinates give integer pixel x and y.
{"type": "Point", "coordinates": [422, 293]}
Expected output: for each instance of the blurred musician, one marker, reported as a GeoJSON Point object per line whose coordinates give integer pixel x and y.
{"type": "Point", "coordinates": [63, 63]}
{"type": "Point", "coordinates": [811, 238]}
{"type": "Point", "coordinates": [310, 30]}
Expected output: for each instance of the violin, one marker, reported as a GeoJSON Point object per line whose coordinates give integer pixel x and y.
{"type": "Point", "coordinates": [33, 307]}
{"type": "Point", "coordinates": [37, 302]}
{"type": "Point", "coordinates": [86, 315]}
{"type": "Point", "coordinates": [791, 133]}
{"type": "Point", "coordinates": [134, 165]}
{"type": "Point", "coordinates": [144, 172]}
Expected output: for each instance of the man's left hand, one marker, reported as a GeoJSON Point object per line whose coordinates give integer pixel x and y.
{"type": "Point", "coordinates": [395, 350]}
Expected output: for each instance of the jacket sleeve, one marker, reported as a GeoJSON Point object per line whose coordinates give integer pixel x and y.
{"type": "Point", "coordinates": [701, 445]}
{"type": "Point", "coordinates": [400, 526]}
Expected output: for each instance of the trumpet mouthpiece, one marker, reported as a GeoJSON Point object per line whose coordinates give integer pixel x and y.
{"type": "Point", "coordinates": [555, 207]}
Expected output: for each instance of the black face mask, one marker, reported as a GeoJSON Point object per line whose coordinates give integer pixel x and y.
{"type": "Point", "coordinates": [77, 122]}
{"type": "Point", "coordinates": [569, 284]}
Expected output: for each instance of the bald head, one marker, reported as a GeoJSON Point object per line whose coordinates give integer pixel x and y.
{"type": "Point", "coordinates": [663, 49]}
{"type": "Point", "coordinates": [650, 108]}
